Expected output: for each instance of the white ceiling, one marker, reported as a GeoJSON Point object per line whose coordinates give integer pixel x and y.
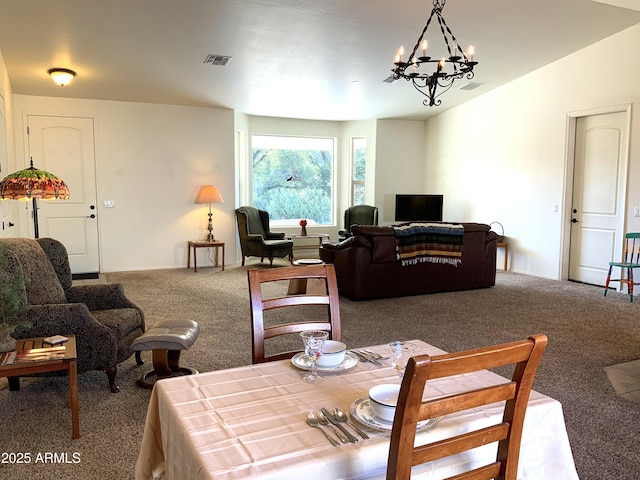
{"type": "Point", "coordinates": [291, 58]}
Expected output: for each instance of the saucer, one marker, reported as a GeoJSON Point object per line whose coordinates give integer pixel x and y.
{"type": "Point", "coordinates": [361, 411]}
{"type": "Point", "coordinates": [301, 361]}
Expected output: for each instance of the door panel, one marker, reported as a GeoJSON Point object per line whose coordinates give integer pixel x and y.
{"type": "Point", "coordinates": [598, 196]}
{"type": "Point", "coordinates": [64, 146]}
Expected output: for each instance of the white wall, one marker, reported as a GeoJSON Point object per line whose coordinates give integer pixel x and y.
{"type": "Point", "coordinates": [400, 164]}
{"type": "Point", "coordinates": [502, 156]}
{"type": "Point", "coordinates": [8, 209]}
{"type": "Point", "coordinates": [151, 160]}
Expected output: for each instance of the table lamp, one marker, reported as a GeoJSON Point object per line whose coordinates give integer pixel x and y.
{"type": "Point", "coordinates": [209, 194]}
{"type": "Point", "coordinates": [32, 183]}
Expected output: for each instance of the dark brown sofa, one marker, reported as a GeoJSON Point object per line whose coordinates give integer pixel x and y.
{"type": "Point", "coordinates": [367, 268]}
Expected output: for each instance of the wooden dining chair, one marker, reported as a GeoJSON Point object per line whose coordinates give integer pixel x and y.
{"type": "Point", "coordinates": [260, 304]}
{"type": "Point", "coordinates": [524, 355]}
{"type": "Point", "coordinates": [630, 261]}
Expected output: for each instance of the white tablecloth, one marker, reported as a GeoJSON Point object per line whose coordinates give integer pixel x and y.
{"type": "Point", "coordinates": [249, 422]}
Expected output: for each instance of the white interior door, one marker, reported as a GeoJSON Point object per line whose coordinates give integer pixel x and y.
{"type": "Point", "coordinates": [599, 195]}
{"type": "Point", "coordinates": [64, 146]}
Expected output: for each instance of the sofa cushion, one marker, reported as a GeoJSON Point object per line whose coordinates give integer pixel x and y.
{"type": "Point", "coordinates": [43, 286]}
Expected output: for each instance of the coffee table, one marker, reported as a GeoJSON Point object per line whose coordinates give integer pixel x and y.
{"type": "Point", "coordinates": [63, 361]}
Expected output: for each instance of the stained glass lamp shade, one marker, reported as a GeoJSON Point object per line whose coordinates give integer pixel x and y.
{"type": "Point", "coordinates": [32, 183]}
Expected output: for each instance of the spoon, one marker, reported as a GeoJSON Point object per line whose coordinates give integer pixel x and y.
{"type": "Point", "coordinates": [342, 417]}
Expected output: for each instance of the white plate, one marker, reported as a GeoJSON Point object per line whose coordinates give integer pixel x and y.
{"type": "Point", "coordinates": [361, 411]}
{"type": "Point", "coordinates": [300, 360]}
{"type": "Point", "coordinates": [308, 261]}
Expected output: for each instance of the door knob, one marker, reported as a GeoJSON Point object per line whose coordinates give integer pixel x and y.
{"type": "Point", "coordinates": [93, 215]}
{"type": "Point", "coordinates": [574, 220]}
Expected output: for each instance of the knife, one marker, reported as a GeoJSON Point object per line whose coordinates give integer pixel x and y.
{"type": "Point", "coordinates": [333, 420]}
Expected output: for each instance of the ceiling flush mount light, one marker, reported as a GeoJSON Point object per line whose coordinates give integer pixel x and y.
{"type": "Point", "coordinates": [454, 64]}
{"type": "Point", "coordinates": [62, 76]}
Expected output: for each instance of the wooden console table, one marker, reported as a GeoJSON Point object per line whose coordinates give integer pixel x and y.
{"type": "Point", "coordinates": [63, 361]}
{"type": "Point", "coordinates": [193, 244]}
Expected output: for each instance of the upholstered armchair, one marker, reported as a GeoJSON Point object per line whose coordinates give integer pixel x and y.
{"type": "Point", "coordinates": [256, 240]}
{"type": "Point", "coordinates": [103, 320]}
{"type": "Point", "coordinates": [358, 215]}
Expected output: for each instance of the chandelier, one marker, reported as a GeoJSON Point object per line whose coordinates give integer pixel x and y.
{"type": "Point", "coordinates": [454, 65]}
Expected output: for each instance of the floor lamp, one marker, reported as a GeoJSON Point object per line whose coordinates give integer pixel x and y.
{"type": "Point", "coordinates": [32, 183]}
{"type": "Point", "coordinates": [209, 194]}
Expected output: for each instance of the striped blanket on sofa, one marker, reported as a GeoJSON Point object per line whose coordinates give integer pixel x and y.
{"type": "Point", "coordinates": [429, 242]}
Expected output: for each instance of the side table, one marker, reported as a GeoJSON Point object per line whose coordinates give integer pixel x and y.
{"type": "Point", "coordinates": [63, 361]}
{"type": "Point", "coordinates": [505, 246]}
{"type": "Point", "coordinates": [194, 244]}
{"type": "Point", "coordinates": [308, 245]}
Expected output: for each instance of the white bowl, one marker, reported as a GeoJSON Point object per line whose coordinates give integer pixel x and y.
{"type": "Point", "coordinates": [383, 400]}
{"type": "Point", "coordinates": [333, 354]}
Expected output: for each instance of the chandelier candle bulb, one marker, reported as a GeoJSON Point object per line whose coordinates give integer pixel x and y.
{"type": "Point", "coordinates": [425, 44]}
{"type": "Point", "coordinates": [470, 51]}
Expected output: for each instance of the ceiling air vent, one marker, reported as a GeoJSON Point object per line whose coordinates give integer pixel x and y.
{"type": "Point", "coordinates": [220, 60]}
{"type": "Point", "coordinates": [471, 86]}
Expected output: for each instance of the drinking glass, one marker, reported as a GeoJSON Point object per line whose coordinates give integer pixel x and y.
{"type": "Point", "coordinates": [400, 354]}
{"type": "Point", "coordinates": [313, 348]}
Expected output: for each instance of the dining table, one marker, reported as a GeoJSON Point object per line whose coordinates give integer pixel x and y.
{"type": "Point", "coordinates": [249, 423]}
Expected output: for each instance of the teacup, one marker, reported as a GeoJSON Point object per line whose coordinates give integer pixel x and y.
{"type": "Point", "coordinates": [332, 354]}
{"type": "Point", "coordinates": [383, 400]}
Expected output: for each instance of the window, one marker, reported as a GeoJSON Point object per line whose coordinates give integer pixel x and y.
{"type": "Point", "coordinates": [292, 178]}
{"type": "Point", "coordinates": [358, 170]}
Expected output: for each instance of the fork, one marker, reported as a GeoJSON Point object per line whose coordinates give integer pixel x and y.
{"type": "Point", "coordinates": [312, 421]}
{"type": "Point", "coordinates": [324, 421]}
{"type": "Point", "coordinates": [373, 354]}
{"type": "Point", "coordinates": [367, 357]}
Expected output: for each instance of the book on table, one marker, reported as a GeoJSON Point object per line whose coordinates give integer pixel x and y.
{"type": "Point", "coordinates": [33, 355]}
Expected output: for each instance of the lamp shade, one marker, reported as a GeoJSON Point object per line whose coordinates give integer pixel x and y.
{"type": "Point", "coordinates": [209, 194]}
{"type": "Point", "coordinates": [33, 183]}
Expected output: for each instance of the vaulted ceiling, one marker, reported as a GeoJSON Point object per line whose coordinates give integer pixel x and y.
{"type": "Point", "coordinates": [319, 59]}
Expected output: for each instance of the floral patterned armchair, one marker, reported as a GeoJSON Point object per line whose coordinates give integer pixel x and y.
{"type": "Point", "coordinates": [103, 320]}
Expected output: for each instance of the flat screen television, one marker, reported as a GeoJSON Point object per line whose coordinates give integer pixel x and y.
{"type": "Point", "coordinates": [419, 208]}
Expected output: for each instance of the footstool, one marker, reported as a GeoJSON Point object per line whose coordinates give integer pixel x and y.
{"type": "Point", "coordinates": [166, 338]}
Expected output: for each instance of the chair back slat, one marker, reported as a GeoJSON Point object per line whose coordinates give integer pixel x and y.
{"type": "Point", "coordinates": [461, 443]}
{"type": "Point", "coordinates": [524, 355]}
{"type": "Point", "coordinates": [259, 305]}
{"type": "Point", "coordinates": [464, 401]}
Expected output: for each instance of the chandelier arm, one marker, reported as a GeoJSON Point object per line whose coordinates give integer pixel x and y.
{"type": "Point", "coordinates": [424, 30]}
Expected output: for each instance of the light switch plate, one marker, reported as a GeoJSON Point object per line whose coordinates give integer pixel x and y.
{"type": "Point", "coordinates": [108, 203]}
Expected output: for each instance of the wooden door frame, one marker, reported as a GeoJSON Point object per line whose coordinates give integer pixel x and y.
{"type": "Point", "coordinates": [567, 197]}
